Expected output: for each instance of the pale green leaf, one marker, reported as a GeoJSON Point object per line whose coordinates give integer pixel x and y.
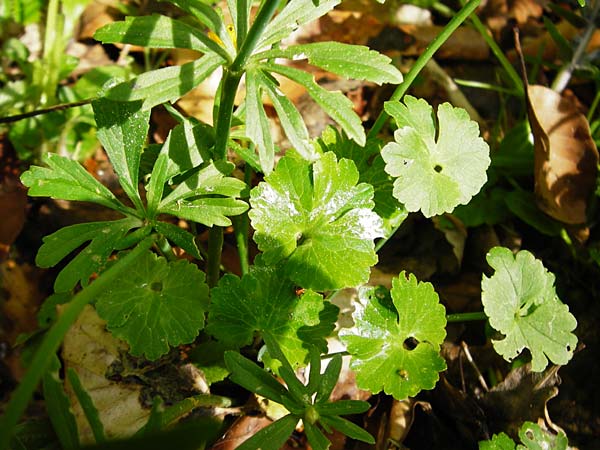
{"type": "Point", "coordinates": [521, 303]}
{"type": "Point", "coordinates": [434, 176]}
{"type": "Point", "coordinates": [166, 84]}
{"type": "Point", "coordinates": [104, 237]}
{"type": "Point", "coordinates": [67, 180]}
{"type": "Point", "coordinates": [350, 61]}
{"type": "Point", "coordinates": [158, 31]}
{"type": "Point", "coordinates": [319, 220]}
{"type": "Point", "coordinates": [257, 123]}
{"type": "Point", "coordinates": [265, 301]}
{"type": "Point", "coordinates": [290, 118]}
{"type": "Point", "coordinates": [535, 438]}
{"type": "Point", "coordinates": [122, 130]}
{"type": "Point", "coordinates": [334, 103]}
{"type": "Point", "coordinates": [498, 442]}
{"type": "Point", "coordinates": [155, 304]}
{"type": "Point", "coordinates": [395, 348]}
{"type": "Point", "coordinates": [208, 211]}
{"type": "Point", "coordinates": [294, 14]}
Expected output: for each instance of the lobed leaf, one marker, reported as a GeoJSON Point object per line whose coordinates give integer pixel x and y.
{"type": "Point", "coordinates": [104, 237]}
{"type": "Point", "coordinates": [166, 84]}
{"type": "Point", "coordinates": [265, 301]}
{"type": "Point", "coordinates": [68, 180]}
{"type": "Point", "coordinates": [319, 220]}
{"type": "Point", "coordinates": [521, 303]}
{"type": "Point", "coordinates": [434, 176]}
{"type": "Point", "coordinates": [334, 103]}
{"type": "Point", "coordinates": [158, 31]}
{"type": "Point", "coordinates": [351, 61]}
{"type": "Point", "coordinates": [155, 304]}
{"type": "Point", "coordinates": [383, 355]}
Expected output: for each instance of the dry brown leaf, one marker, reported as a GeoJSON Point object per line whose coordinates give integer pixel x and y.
{"type": "Point", "coordinates": [566, 156]}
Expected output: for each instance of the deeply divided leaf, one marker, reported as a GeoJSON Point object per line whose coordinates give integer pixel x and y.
{"type": "Point", "coordinates": [521, 303]}
{"type": "Point", "coordinates": [395, 347]}
{"type": "Point", "coordinates": [265, 301]}
{"type": "Point", "coordinates": [434, 175]}
{"type": "Point", "coordinates": [318, 220]}
{"type": "Point", "coordinates": [155, 304]}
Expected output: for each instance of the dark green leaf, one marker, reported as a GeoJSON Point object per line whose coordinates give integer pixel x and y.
{"type": "Point", "coordinates": [329, 379]}
{"type": "Point", "coordinates": [523, 205]}
{"type": "Point", "coordinates": [273, 436]}
{"type": "Point", "coordinates": [155, 304]}
{"type": "Point", "coordinates": [342, 407]}
{"type": "Point", "coordinates": [180, 237]}
{"type": "Point", "coordinates": [87, 405]}
{"type": "Point", "coordinates": [316, 438]}
{"type": "Point", "coordinates": [348, 428]}
{"type": "Point", "coordinates": [350, 61]}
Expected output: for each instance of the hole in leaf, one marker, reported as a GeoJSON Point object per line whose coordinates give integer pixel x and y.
{"type": "Point", "coordinates": [156, 286]}
{"type": "Point", "coordinates": [568, 348]}
{"type": "Point", "coordinates": [410, 343]}
{"type": "Point", "coordinates": [529, 434]}
{"type": "Point", "coordinates": [437, 168]}
{"type": "Point", "coordinates": [402, 374]}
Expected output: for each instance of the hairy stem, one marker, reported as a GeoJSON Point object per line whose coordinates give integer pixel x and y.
{"type": "Point", "coordinates": [47, 349]}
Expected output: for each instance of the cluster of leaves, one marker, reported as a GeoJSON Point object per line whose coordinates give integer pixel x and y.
{"type": "Point", "coordinates": [532, 436]}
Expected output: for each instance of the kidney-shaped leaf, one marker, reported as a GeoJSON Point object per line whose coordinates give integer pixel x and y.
{"type": "Point", "coordinates": [320, 219]}
{"type": "Point", "coordinates": [265, 301]}
{"type": "Point", "coordinates": [521, 303]}
{"type": "Point", "coordinates": [434, 176]}
{"type": "Point", "coordinates": [395, 348]}
{"type": "Point", "coordinates": [155, 304]}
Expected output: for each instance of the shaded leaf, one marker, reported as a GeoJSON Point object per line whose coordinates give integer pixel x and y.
{"type": "Point", "coordinates": [318, 219]}
{"type": "Point", "coordinates": [273, 436]}
{"type": "Point", "coordinates": [155, 305]}
{"type": "Point", "coordinates": [434, 176]}
{"type": "Point", "coordinates": [395, 348]}
{"type": "Point", "coordinates": [179, 237]}
{"type": "Point", "coordinates": [521, 303]}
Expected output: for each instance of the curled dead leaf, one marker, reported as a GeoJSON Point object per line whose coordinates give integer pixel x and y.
{"type": "Point", "coordinates": [566, 157]}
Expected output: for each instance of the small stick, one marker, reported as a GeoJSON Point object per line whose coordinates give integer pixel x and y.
{"type": "Point", "coordinates": [465, 349]}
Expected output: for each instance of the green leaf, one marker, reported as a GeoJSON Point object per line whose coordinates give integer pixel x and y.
{"type": "Point", "coordinates": [104, 237]}
{"type": "Point", "coordinates": [179, 236]}
{"type": "Point", "coordinates": [67, 180]}
{"type": "Point", "coordinates": [316, 438]}
{"type": "Point", "coordinates": [342, 407]}
{"type": "Point", "coordinates": [257, 123]}
{"type": "Point", "coordinates": [321, 223]}
{"type": "Point", "coordinates": [205, 197]}
{"type": "Point", "coordinates": [290, 118]}
{"type": "Point", "coordinates": [521, 303]}
{"type": "Point", "coordinates": [382, 343]}
{"type": "Point", "coordinates": [273, 436]}
{"type": "Point", "coordinates": [498, 442]}
{"type": "Point", "coordinates": [434, 176]}
{"type": "Point", "coordinates": [166, 84]}
{"type": "Point", "coordinates": [248, 375]}
{"type": "Point", "coordinates": [155, 304]}
{"type": "Point", "coordinates": [523, 204]}
{"type": "Point", "coordinates": [534, 438]}
{"type": "Point", "coordinates": [334, 103]}
{"type": "Point", "coordinates": [329, 379]}
{"type": "Point", "coordinates": [265, 301]}
{"type": "Point", "coordinates": [348, 428]}
{"type": "Point", "coordinates": [87, 405]}
{"type": "Point", "coordinates": [292, 16]}
{"type": "Point", "coordinates": [58, 407]}
{"type": "Point", "coordinates": [350, 61]}
{"type": "Point", "coordinates": [122, 130]}
{"type": "Point", "coordinates": [370, 165]}
{"type": "Point", "coordinates": [157, 31]}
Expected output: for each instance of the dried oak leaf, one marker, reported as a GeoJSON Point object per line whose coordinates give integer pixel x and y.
{"type": "Point", "coordinates": [565, 156]}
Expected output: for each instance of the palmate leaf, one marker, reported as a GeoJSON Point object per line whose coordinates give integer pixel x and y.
{"type": "Point", "coordinates": [382, 341]}
{"type": "Point", "coordinates": [351, 61]}
{"type": "Point", "coordinates": [104, 237]}
{"type": "Point", "coordinates": [521, 303]}
{"type": "Point", "coordinates": [166, 84]}
{"type": "Point", "coordinates": [319, 220]}
{"type": "Point", "coordinates": [67, 180]}
{"type": "Point", "coordinates": [434, 176]}
{"type": "Point", "coordinates": [265, 301]}
{"type": "Point", "coordinates": [334, 103]}
{"type": "Point", "coordinates": [158, 31]}
{"type": "Point", "coordinates": [155, 304]}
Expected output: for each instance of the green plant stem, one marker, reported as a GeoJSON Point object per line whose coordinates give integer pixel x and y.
{"type": "Point", "coordinates": [566, 72]}
{"type": "Point", "coordinates": [50, 109]}
{"type": "Point", "coordinates": [241, 226]}
{"type": "Point", "coordinates": [47, 349]}
{"type": "Point", "coordinates": [466, 317]}
{"type": "Point", "coordinates": [215, 247]}
{"type": "Point", "coordinates": [410, 77]}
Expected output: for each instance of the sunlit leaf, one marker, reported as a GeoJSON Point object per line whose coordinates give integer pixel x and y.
{"type": "Point", "coordinates": [319, 220]}
{"type": "Point", "coordinates": [434, 175]}
{"type": "Point", "coordinates": [395, 347]}
{"type": "Point", "coordinates": [521, 303]}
